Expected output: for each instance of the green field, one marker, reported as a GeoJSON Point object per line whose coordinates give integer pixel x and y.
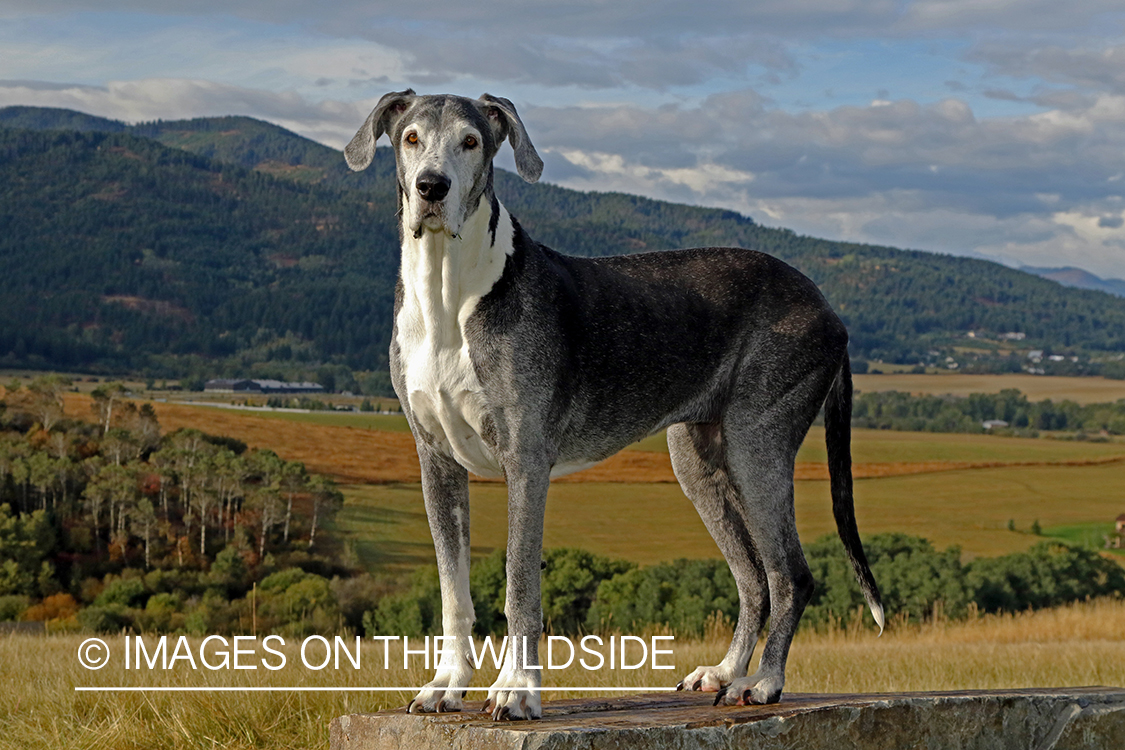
{"type": "Point", "coordinates": [648, 523]}
{"type": "Point", "coordinates": [1091, 535]}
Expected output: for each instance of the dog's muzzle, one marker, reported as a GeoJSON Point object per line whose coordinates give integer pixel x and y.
{"type": "Point", "coordinates": [432, 188]}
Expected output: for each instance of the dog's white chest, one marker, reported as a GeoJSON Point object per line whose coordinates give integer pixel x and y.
{"type": "Point", "coordinates": [443, 281]}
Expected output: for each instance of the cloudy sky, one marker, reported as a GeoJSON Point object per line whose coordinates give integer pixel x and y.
{"type": "Point", "coordinates": [986, 127]}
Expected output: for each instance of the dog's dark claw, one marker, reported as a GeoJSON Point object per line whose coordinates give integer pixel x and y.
{"type": "Point", "coordinates": [698, 684]}
{"type": "Point", "coordinates": [487, 707]}
{"type": "Point", "coordinates": [410, 707]}
{"type": "Point", "coordinates": [463, 694]}
{"type": "Point", "coordinates": [747, 696]}
{"type": "Point", "coordinates": [440, 706]}
{"type": "Point", "coordinates": [719, 696]}
{"type": "Point", "coordinates": [680, 685]}
{"type": "Point", "coordinates": [505, 714]}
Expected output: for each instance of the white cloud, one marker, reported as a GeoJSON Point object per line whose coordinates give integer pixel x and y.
{"type": "Point", "coordinates": [631, 96]}
{"type": "Point", "coordinates": [171, 99]}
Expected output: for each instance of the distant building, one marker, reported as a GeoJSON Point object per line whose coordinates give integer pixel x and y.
{"type": "Point", "coordinates": [223, 385]}
{"type": "Point", "coordinates": [988, 424]}
{"type": "Point", "coordinates": [1116, 540]}
{"type": "Point", "coordinates": [1013, 336]}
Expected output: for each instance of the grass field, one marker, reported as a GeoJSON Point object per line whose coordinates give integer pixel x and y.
{"type": "Point", "coordinates": [39, 708]}
{"type": "Point", "coordinates": [654, 522]}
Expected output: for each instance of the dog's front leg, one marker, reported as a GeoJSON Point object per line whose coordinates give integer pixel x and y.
{"type": "Point", "coordinates": [515, 694]}
{"type": "Point", "coordinates": [445, 487]}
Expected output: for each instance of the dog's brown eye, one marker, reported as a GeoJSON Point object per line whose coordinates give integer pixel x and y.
{"type": "Point", "coordinates": [470, 142]}
{"type": "Point", "coordinates": [412, 139]}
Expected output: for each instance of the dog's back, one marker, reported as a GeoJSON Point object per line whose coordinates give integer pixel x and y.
{"type": "Point", "coordinates": [639, 342]}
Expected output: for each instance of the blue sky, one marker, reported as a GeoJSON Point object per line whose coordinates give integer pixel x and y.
{"type": "Point", "coordinates": [981, 127]}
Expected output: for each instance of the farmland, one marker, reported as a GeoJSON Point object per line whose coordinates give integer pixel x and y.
{"type": "Point", "coordinates": [653, 522]}
{"type": "Point", "coordinates": [953, 489]}
{"type": "Point", "coordinates": [1035, 387]}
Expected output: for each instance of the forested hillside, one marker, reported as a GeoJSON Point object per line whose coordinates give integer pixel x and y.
{"type": "Point", "coordinates": [231, 246]}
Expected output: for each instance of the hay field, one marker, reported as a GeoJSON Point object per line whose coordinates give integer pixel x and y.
{"type": "Point", "coordinates": [39, 708]}
{"type": "Point", "coordinates": [1035, 387]}
{"type": "Point", "coordinates": [386, 453]}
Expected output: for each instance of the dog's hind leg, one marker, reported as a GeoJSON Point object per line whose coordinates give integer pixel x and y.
{"type": "Point", "coordinates": [761, 445]}
{"type": "Point", "coordinates": [698, 459]}
{"type": "Point", "coordinates": [445, 488]}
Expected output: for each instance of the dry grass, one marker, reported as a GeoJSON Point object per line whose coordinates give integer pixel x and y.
{"type": "Point", "coordinates": [1079, 645]}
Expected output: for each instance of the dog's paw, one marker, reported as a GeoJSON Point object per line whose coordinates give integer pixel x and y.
{"type": "Point", "coordinates": [752, 690]}
{"type": "Point", "coordinates": [443, 693]}
{"type": "Point", "coordinates": [513, 696]}
{"type": "Point", "coordinates": [706, 679]}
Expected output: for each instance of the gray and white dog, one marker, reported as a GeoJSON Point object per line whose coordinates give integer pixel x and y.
{"type": "Point", "coordinates": [513, 360]}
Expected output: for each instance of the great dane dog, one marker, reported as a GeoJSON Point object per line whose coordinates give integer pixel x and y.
{"type": "Point", "coordinates": [512, 360]}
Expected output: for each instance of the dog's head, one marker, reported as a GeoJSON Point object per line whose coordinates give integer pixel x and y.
{"type": "Point", "coordinates": [444, 146]}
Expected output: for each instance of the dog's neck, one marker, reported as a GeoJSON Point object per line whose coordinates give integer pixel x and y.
{"type": "Point", "coordinates": [443, 276]}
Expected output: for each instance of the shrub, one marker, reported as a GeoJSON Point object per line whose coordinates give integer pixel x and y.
{"type": "Point", "coordinates": [229, 573]}
{"type": "Point", "coordinates": [108, 619]}
{"type": "Point", "coordinates": [414, 613]}
{"type": "Point", "coordinates": [281, 580]}
{"type": "Point", "coordinates": [12, 606]}
{"type": "Point", "coordinates": [912, 576]}
{"type": "Point", "coordinates": [55, 607]}
{"type": "Point", "coordinates": [1047, 575]}
{"type": "Point", "coordinates": [127, 592]}
{"type": "Point", "coordinates": [159, 613]}
{"type": "Point", "coordinates": [357, 595]}
{"type": "Point", "coordinates": [571, 578]}
{"type": "Point", "coordinates": [682, 595]}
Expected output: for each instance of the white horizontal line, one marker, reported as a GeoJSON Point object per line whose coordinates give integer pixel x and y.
{"type": "Point", "coordinates": [267, 689]}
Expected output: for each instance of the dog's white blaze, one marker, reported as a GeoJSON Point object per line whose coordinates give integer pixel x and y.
{"type": "Point", "coordinates": [443, 280]}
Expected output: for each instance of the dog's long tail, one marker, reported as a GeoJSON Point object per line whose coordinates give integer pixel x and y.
{"type": "Point", "coordinates": [838, 435]}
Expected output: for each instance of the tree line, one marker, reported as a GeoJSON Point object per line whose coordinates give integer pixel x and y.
{"type": "Point", "coordinates": [585, 593]}
{"type": "Point", "coordinates": [895, 410]}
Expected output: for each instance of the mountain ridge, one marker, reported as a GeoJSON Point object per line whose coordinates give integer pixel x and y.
{"type": "Point", "coordinates": [282, 259]}
{"type": "Point", "coordinates": [1079, 278]}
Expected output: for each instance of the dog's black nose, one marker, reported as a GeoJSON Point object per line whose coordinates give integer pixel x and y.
{"type": "Point", "coordinates": [432, 186]}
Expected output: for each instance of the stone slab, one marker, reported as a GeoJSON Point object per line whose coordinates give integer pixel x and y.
{"type": "Point", "coordinates": [1091, 718]}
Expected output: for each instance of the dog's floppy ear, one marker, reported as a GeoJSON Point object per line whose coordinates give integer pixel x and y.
{"type": "Point", "coordinates": [501, 113]}
{"type": "Point", "coordinates": [359, 153]}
